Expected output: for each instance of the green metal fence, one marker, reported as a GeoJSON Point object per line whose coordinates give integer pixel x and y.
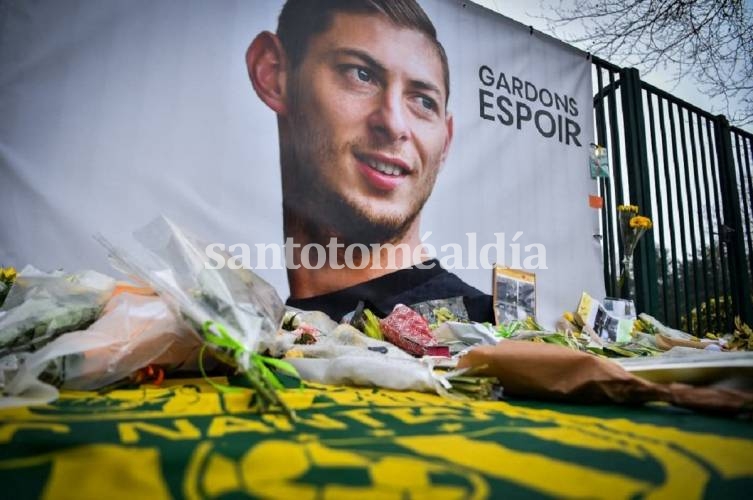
{"type": "Point", "coordinates": [690, 172]}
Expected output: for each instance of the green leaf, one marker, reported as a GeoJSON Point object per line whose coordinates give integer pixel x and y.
{"type": "Point", "coordinates": [371, 325]}
{"type": "Point", "coordinates": [283, 366]}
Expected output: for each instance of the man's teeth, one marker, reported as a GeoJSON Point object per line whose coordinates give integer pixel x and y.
{"type": "Point", "coordinates": [385, 168]}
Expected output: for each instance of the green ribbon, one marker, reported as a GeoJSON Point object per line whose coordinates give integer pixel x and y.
{"type": "Point", "coordinates": [225, 389]}
{"type": "Point", "coordinates": [215, 334]}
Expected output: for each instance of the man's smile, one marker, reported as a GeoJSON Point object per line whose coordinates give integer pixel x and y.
{"type": "Point", "coordinates": [383, 172]}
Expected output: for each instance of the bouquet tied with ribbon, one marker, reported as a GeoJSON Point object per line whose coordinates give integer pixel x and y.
{"type": "Point", "coordinates": [236, 312]}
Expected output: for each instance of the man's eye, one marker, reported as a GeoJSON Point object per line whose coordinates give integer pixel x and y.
{"type": "Point", "coordinates": [428, 103]}
{"type": "Point", "coordinates": [363, 74]}
{"type": "Point", "coordinates": [358, 74]}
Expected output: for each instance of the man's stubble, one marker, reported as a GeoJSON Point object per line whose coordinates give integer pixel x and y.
{"type": "Point", "coordinates": [314, 207]}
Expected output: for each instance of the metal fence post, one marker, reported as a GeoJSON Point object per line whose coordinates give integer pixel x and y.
{"type": "Point", "coordinates": [734, 237]}
{"type": "Point", "coordinates": [639, 185]}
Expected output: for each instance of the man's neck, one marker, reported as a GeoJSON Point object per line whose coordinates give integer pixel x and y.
{"type": "Point", "coordinates": [345, 268]}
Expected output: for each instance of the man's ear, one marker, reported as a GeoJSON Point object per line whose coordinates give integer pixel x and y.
{"type": "Point", "coordinates": [449, 123]}
{"type": "Point", "coordinates": [267, 69]}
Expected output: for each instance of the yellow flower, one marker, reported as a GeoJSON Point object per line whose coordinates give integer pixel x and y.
{"type": "Point", "coordinates": [628, 208]}
{"type": "Point", "coordinates": [8, 274]}
{"type": "Point", "coordinates": [640, 222]}
{"type": "Point", "coordinates": [569, 316]}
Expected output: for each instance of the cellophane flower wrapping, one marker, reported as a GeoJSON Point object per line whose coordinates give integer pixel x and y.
{"type": "Point", "coordinates": [176, 265]}
{"type": "Point", "coordinates": [41, 306]}
{"type": "Point", "coordinates": [133, 332]}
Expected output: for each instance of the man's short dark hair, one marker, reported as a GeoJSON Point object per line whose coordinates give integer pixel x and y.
{"type": "Point", "coordinates": [302, 19]}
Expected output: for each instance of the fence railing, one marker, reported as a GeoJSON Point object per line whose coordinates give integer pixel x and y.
{"type": "Point", "coordinates": [690, 172]}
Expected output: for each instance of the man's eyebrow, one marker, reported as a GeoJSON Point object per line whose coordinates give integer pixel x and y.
{"type": "Point", "coordinates": [362, 55]}
{"type": "Point", "coordinates": [381, 69]}
{"type": "Point", "coordinates": [426, 86]}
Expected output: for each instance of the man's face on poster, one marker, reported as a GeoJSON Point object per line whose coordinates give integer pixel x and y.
{"type": "Point", "coordinates": [368, 128]}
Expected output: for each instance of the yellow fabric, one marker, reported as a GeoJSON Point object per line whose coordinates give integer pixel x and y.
{"type": "Point", "coordinates": [186, 440]}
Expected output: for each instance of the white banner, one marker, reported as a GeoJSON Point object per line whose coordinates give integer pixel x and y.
{"type": "Point", "coordinates": [116, 112]}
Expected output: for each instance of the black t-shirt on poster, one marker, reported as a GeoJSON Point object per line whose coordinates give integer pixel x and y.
{"type": "Point", "coordinates": [405, 286]}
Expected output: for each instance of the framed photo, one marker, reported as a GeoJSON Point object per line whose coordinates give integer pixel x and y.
{"type": "Point", "coordinates": [514, 294]}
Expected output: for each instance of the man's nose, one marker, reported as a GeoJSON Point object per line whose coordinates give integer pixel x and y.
{"type": "Point", "coordinates": [390, 119]}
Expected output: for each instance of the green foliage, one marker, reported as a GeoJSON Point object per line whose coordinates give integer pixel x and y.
{"type": "Point", "coordinates": [742, 337]}
{"type": "Point", "coordinates": [442, 315]}
{"type": "Point", "coordinates": [371, 325]}
{"type": "Point", "coordinates": [716, 311]}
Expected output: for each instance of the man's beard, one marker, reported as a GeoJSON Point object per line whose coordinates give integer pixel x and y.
{"type": "Point", "coordinates": [312, 206]}
{"type": "Point", "coordinates": [322, 214]}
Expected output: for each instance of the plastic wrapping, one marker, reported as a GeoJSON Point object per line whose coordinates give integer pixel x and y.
{"type": "Point", "coordinates": [41, 306]}
{"type": "Point", "coordinates": [176, 265]}
{"type": "Point", "coordinates": [133, 332]}
{"type": "Point", "coordinates": [370, 370]}
{"type": "Point", "coordinates": [346, 356]}
{"type": "Point", "coordinates": [408, 330]}
{"type": "Point", "coordinates": [342, 341]}
{"type": "Point", "coordinates": [460, 336]}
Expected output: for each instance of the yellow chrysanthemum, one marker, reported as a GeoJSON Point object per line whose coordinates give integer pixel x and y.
{"type": "Point", "coordinates": [640, 222]}
{"type": "Point", "coordinates": [569, 316]}
{"type": "Point", "coordinates": [628, 208]}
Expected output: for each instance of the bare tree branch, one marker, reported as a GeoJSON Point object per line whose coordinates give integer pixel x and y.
{"type": "Point", "coordinates": [709, 41]}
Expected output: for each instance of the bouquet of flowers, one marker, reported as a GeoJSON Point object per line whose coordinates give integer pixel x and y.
{"type": "Point", "coordinates": [632, 228]}
{"type": "Point", "coordinates": [7, 277]}
{"type": "Point", "coordinates": [42, 306]}
{"type": "Point", "coordinates": [234, 311]}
